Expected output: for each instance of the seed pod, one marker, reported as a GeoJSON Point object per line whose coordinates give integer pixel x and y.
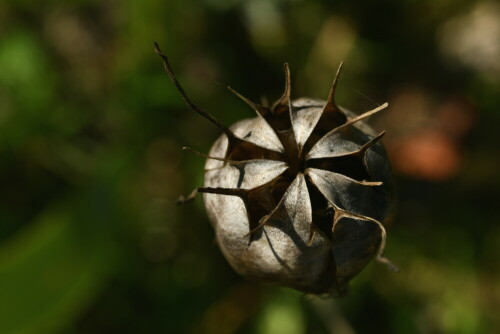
{"type": "Point", "coordinates": [299, 195]}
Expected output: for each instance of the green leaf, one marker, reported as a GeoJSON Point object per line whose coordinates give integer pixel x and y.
{"type": "Point", "coordinates": [49, 273]}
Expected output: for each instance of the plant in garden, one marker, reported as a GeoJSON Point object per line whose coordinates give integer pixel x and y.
{"type": "Point", "coordinates": [298, 195]}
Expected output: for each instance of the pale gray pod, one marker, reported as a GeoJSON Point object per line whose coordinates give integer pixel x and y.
{"type": "Point", "coordinates": [299, 195]}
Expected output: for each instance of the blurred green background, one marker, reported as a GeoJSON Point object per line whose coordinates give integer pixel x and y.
{"type": "Point", "coordinates": [91, 164]}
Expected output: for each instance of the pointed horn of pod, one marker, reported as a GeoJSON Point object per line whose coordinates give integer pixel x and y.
{"type": "Point", "coordinates": [224, 191]}
{"type": "Point", "coordinates": [209, 190]}
{"type": "Point", "coordinates": [371, 143]}
{"type": "Point", "coordinates": [185, 97]}
{"type": "Point", "coordinates": [206, 156]}
{"type": "Point", "coordinates": [358, 118]}
{"type": "Point", "coordinates": [259, 109]}
{"type": "Point", "coordinates": [364, 149]}
{"type": "Point", "coordinates": [331, 105]}
{"type": "Point", "coordinates": [284, 100]}
{"type": "Point", "coordinates": [366, 114]}
{"type": "Point", "coordinates": [304, 123]}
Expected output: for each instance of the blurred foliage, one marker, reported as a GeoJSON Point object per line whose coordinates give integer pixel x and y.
{"type": "Point", "coordinates": [90, 161]}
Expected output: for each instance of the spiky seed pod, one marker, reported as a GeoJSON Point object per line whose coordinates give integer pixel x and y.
{"type": "Point", "coordinates": [299, 195]}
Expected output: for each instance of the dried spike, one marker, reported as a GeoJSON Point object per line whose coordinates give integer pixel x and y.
{"type": "Point", "coordinates": [370, 183]}
{"type": "Point", "coordinates": [263, 221]}
{"type": "Point", "coordinates": [285, 98]}
{"type": "Point", "coordinates": [360, 153]}
{"type": "Point", "coordinates": [364, 149]}
{"type": "Point", "coordinates": [233, 141]}
{"type": "Point", "coordinates": [220, 191]}
{"type": "Point", "coordinates": [224, 191]}
{"type": "Point", "coordinates": [364, 115]}
{"type": "Point", "coordinates": [185, 97]}
{"type": "Point", "coordinates": [371, 142]}
{"type": "Point", "coordinates": [380, 258]}
{"type": "Point", "coordinates": [313, 151]}
{"type": "Point", "coordinates": [187, 199]}
{"type": "Point", "coordinates": [341, 213]}
{"type": "Point", "coordinates": [362, 182]}
{"type": "Point", "coordinates": [388, 263]}
{"type": "Point", "coordinates": [259, 109]}
{"type": "Point", "coordinates": [358, 118]}
{"type": "Point", "coordinates": [236, 163]}
{"type": "Point", "coordinates": [337, 216]}
{"type": "Point", "coordinates": [331, 105]}
{"type": "Point", "coordinates": [206, 156]}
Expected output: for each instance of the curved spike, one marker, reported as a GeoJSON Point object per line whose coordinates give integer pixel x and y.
{"type": "Point", "coordinates": [259, 109]}
{"type": "Point", "coordinates": [285, 98]}
{"type": "Point", "coordinates": [341, 213]}
{"type": "Point", "coordinates": [185, 97]}
{"type": "Point", "coordinates": [330, 103]}
{"type": "Point", "coordinates": [388, 263]}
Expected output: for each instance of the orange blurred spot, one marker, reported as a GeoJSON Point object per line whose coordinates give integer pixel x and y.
{"type": "Point", "coordinates": [426, 154]}
{"type": "Point", "coordinates": [456, 117]}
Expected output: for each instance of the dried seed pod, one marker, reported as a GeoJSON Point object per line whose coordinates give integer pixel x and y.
{"type": "Point", "coordinates": [299, 195]}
